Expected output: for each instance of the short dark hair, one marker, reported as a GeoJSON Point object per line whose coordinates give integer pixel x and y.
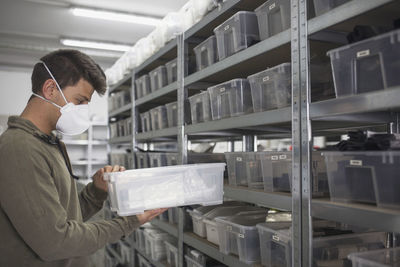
{"type": "Point", "coordinates": [68, 66]}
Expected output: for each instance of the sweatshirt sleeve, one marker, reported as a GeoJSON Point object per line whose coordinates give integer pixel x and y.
{"type": "Point", "coordinates": [91, 200]}
{"type": "Point", "coordinates": [31, 201]}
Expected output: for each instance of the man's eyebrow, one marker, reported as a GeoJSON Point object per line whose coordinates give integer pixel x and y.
{"type": "Point", "coordinates": [85, 97]}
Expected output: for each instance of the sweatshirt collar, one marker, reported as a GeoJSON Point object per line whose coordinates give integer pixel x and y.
{"type": "Point", "coordinates": [29, 127]}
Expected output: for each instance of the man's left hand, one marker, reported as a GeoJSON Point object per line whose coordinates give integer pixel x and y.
{"type": "Point", "coordinates": [98, 177]}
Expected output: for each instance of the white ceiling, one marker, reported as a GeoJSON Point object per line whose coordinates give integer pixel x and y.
{"type": "Point", "coordinates": [30, 29]}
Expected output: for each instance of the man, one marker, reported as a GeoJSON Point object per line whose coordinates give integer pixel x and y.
{"type": "Point", "coordinates": [43, 220]}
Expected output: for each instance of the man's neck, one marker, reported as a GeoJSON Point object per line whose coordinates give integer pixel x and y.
{"type": "Point", "coordinates": [37, 117]}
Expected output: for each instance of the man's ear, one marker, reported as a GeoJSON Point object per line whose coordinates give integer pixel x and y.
{"type": "Point", "coordinates": [49, 89]}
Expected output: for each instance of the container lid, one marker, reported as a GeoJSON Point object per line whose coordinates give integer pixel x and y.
{"type": "Point", "coordinates": [280, 217]}
{"type": "Point", "coordinates": [204, 42]}
{"type": "Point", "coordinates": [249, 221]}
{"type": "Point", "coordinates": [234, 16]}
{"type": "Point", "coordinates": [286, 67]}
{"type": "Point", "coordinates": [229, 83]}
{"type": "Point", "coordinates": [227, 211]}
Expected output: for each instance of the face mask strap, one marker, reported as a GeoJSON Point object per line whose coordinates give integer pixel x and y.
{"type": "Point", "coordinates": [48, 101]}
{"type": "Point", "coordinates": [54, 79]}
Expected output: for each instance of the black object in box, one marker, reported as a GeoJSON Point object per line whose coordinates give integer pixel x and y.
{"type": "Point", "coordinates": [206, 53]}
{"type": "Point", "coordinates": [200, 107]}
{"type": "Point", "coordinates": [271, 88]}
{"type": "Point", "coordinates": [142, 86]}
{"type": "Point", "coordinates": [323, 6]}
{"type": "Point", "coordinates": [367, 176]}
{"type": "Point", "coordinates": [158, 78]}
{"type": "Point", "coordinates": [366, 66]}
{"type": "Point", "coordinates": [237, 33]}
{"type": "Point", "coordinates": [172, 71]}
{"type": "Point", "coordinates": [273, 17]}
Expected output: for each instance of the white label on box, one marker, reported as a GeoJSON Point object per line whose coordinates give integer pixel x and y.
{"type": "Point", "coordinates": [265, 79]}
{"type": "Point", "coordinates": [363, 53]}
{"type": "Point", "coordinates": [238, 159]}
{"type": "Point", "coordinates": [276, 238]}
{"type": "Point", "coordinates": [226, 27]}
{"type": "Point", "coordinates": [202, 48]}
{"type": "Point", "coordinates": [282, 157]}
{"type": "Point", "coordinates": [222, 89]}
{"type": "Point", "coordinates": [272, 6]}
{"type": "Point", "coordinates": [274, 157]}
{"type": "Point", "coordinates": [241, 235]}
{"type": "Point", "coordinates": [354, 162]}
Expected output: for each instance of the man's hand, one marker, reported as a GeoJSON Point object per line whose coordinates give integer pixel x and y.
{"type": "Point", "coordinates": [149, 215]}
{"type": "Point", "coordinates": [98, 177]}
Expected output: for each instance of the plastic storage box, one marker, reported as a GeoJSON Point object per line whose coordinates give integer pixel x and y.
{"type": "Point", "coordinates": [142, 160]}
{"type": "Point", "coordinates": [142, 86]}
{"type": "Point", "coordinates": [200, 107]}
{"type": "Point", "coordinates": [232, 98]}
{"type": "Point", "coordinates": [377, 258]}
{"type": "Point", "coordinates": [206, 53]}
{"type": "Point", "coordinates": [158, 78]}
{"type": "Point", "coordinates": [172, 159]}
{"type": "Point", "coordinates": [323, 6]}
{"type": "Point", "coordinates": [171, 249]}
{"type": "Point", "coordinates": [271, 88]}
{"type": "Point", "coordinates": [145, 120]}
{"type": "Point", "coordinates": [172, 71]}
{"type": "Point", "coordinates": [142, 261]}
{"type": "Point", "coordinates": [134, 191]}
{"type": "Point", "coordinates": [244, 169]}
{"type": "Point", "coordinates": [172, 114]}
{"type": "Point", "coordinates": [237, 33]}
{"type": "Point", "coordinates": [159, 118]}
{"type": "Point", "coordinates": [156, 243]}
{"type": "Point", "coordinates": [367, 176]}
{"type": "Point", "coordinates": [273, 17]}
{"type": "Point", "coordinates": [157, 159]}
{"type": "Point", "coordinates": [366, 66]}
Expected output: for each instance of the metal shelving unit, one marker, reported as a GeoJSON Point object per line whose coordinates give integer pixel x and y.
{"type": "Point", "coordinates": [301, 121]}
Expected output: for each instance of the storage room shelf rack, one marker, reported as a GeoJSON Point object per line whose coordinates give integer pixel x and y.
{"type": "Point", "coordinates": [301, 121]}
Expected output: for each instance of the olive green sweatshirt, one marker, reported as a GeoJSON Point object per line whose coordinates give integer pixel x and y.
{"type": "Point", "coordinates": [43, 220]}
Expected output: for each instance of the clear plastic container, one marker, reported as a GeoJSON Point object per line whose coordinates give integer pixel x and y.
{"type": "Point", "coordinates": [172, 70]}
{"type": "Point", "coordinates": [142, 86]}
{"type": "Point", "coordinates": [157, 159]}
{"type": "Point", "coordinates": [206, 53]}
{"type": "Point", "coordinates": [232, 98]}
{"type": "Point", "coordinates": [172, 159]}
{"type": "Point", "coordinates": [244, 169]}
{"type": "Point", "coordinates": [237, 33]}
{"type": "Point", "coordinates": [277, 171]}
{"type": "Point", "coordinates": [142, 261]}
{"type": "Point", "coordinates": [134, 191]}
{"type": "Point", "coordinates": [159, 118]}
{"type": "Point", "coordinates": [145, 120]}
{"type": "Point", "coordinates": [171, 249]}
{"type": "Point", "coordinates": [200, 107]}
{"type": "Point", "coordinates": [142, 160]}
{"type": "Point", "coordinates": [192, 263]}
{"type": "Point", "coordinates": [158, 78]}
{"type": "Point", "coordinates": [389, 257]}
{"type": "Point", "coordinates": [273, 17]}
{"type": "Point", "coordinates": [155, 242]}
{"type": "Point", "coordinates": [366, 66]}
{"type": "Point", "coordinates": [323, 6]}
{"type": "Point", "coordinates": [271, 88]}
{"type": "Point", "coordinates": [172, 114]}
{"type": "Point", "coordinates": [367, 177]}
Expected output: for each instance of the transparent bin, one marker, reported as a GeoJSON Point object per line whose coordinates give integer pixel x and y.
{"type": "Point", "coordinates": [145, 120]}
{"type": "Point", "coordinates": [143, 86]}
{"type": "Point", "coordinates": [389, 257]}
{"type": "Point", "coordinates": [172, 114]}
{"type": "Point", "coordinates": [142, 160]}
{"type": "Point", "coordinates": [200, 107]}
{"type": "Point", "coordinates": [237, 33]}
{"type": "Point", "coordinates": [206, 53]}
{"type": "Point", "coordinates": [157, 159]}
{"type": "Point", "coordinates": [171, 249]}
{"type": "Point", "coordinates": [232, 98]}
{"type": "Point", "coordinates": [133, 191]}
{"type": "Point", "coordinates": [365, 176]}
{"type": "Point", "coordinates": [172, 159]}
{"type": "Point", "coordinates": [323, 6]}
{"type": "Point", "coordinates": [244, 169]}
{"type": "Point", "coordinates": [155, 241]}
{"type": "Point", "coordinates": [143, 262]}
{"type": "Point", "coordinates": [271, 88]}
{"type": "Point", "coordinates": [273, 17]}
{"type": "Point", "coordinates": [172, 71]}
{"type": "Point", "coordinates": [159, 118]}
{"type": "Point", "coordinates": [366, 66]}
{"type": "Point", "coordinates": [158, 78]}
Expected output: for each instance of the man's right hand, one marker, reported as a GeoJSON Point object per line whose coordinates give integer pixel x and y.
{"type": "Point", "coordinates": [149, 215]}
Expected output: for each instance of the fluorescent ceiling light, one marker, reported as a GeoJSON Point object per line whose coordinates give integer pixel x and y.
{"type": "Point", "coordinates": [114, 16]}
{"type": "Point", "coordinates": [96, 45]}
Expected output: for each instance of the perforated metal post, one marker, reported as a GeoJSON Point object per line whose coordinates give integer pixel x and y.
{"type": "Point", "coordinates": [133, 118]}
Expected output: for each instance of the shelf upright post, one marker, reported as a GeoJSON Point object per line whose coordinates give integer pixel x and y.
{"type": "Point", "coordinates": [301, 137]}
{"type": "Point", "coordinates": [133, 118]}
{"type": "Point", "coordinates": [182, 53]}
{"type": "Point", "coordinates": [89, 151]}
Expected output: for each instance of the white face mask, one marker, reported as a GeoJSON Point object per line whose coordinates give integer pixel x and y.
{"type": "Point", "coordinates": [74, 119]}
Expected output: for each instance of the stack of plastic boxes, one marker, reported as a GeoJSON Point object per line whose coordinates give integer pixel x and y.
{"type": "Point", "coordinates": [155, 247]}
{"type": "Point", "coordinates": [206, 53]}
{"type": "Point", "coordinates": [200, 107]}
{"type": "Point", "coordinates": [237, 33]}
{"type": "Point", "coordinates": [142, 86]}
{"type": "Point", "coordinates": [273, 17]}
{"type": "Point", "coordinates": [158, 78]}
{"type": "Point", "coordinates": [229, 99]}
{"type": "Point", "coordinates": [364, 177]}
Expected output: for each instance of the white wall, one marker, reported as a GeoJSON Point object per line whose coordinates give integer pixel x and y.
{"type": "Point", "coordinates": [15, 90]}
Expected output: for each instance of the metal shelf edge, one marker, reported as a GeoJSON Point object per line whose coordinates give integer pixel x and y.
{"type": "Point", "coordinates": [122, 139]}
{"type": "Point", "coordinates": [173, 131]}
{"type": "Point", "coordinates": [163, 91]}
{"type": "Point", "coordinates": [167, 227]}
{"type": "Point", "coordinates": [119, 110]}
